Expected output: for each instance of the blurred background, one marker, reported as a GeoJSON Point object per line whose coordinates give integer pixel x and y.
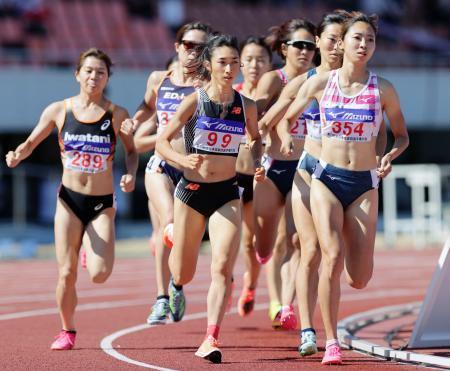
{"type": "Point", "coordinates": [40, 41]}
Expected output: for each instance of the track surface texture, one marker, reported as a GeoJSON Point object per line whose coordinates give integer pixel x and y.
{"type": "Point", "coordinates": [112, 316]}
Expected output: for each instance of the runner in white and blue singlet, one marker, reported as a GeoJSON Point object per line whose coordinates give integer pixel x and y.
{"type": "Point", "coordinates": [344, 197]}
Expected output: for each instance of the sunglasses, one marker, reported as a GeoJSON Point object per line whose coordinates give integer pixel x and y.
{"type": "Point", "coordinates": [190, 45]}
{"type": "Point", "coordinates": [302, 44]}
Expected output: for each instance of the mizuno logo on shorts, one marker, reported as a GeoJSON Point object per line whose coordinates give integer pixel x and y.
{"type": "Point", "coordinates": [193, 186]}
{"type": "Point", "coordinates": [278, 171]}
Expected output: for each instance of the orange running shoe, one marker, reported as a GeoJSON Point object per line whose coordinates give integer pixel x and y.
{"type": "Point", "coordinates": [210, 350]}
{"type": "Point", "coordinates": [246, 302]}
{"type": "Point", "coordinates": [168, 235]}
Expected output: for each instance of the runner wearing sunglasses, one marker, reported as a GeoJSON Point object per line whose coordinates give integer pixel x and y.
{"type": "Point", "coordinates": [165, 91]}
{"type": "Point", "coordinates": [274, 227]}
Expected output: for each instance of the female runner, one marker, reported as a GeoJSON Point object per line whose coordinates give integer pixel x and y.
{"type": "Point", "coordinates": [344, 196]}
{"type": "Point", "coordinates": [294, 41]}
{"type": "Point", "coordinates": [165, 91]}
{"type": "Point", "coordinates": [213, 120]}
{"type": "Point", "coordinates": [256, 59]}
{"type": "Point", "coordinates": [88, 126]}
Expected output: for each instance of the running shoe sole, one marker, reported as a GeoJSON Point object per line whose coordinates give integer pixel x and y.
{"type": "Point", "coordinates": [307, 349]}
{"type": "Point", "coordinates": [215, 356]}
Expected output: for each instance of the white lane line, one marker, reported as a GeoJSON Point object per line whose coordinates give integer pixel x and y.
{"type": "Point", "coordinates": [33, 298]}
{"type": "Point", "coordinates": [81, 307]}
{"type": "Point", "coordinates": [107, 343]}
{"type": "Point", "coordinates": [356, 296]}
{"type": "Point", "coordinates": [107, 346]}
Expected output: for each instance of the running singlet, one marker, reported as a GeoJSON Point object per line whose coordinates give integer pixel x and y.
{"type": "Point", "coordinates": [312, 116]}
{"type": "Point", "coordinates": [298, 128]}
{"type": "Point", "coordinates": [354, 118]}
{"type": "Point", "coordinates": [87, 146]}
{"type": "Point", "coordinates": [206, 132]}
{"type": "Point", "coordinates": [169, 97]}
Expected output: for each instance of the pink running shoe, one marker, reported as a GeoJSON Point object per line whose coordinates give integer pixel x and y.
{"type": "Point", "coordinates": [65, 340]}
{"type": "Point", "coordinates": [168, 235]}
{"type": "Point", "coordinates": [333, 355]}
{"type": "Point", "coordinates": [288, 318]}
{"type": "Point", "coordinates": [262, 260]}
{"type": "Point", "coordinates": [83, 258]}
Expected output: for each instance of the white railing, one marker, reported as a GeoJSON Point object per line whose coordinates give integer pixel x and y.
{"type": "Point", "coordinates": [425, 223]}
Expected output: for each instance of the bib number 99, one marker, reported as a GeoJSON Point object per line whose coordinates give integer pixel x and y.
{"type": "Point", "coordinates": [213, 137]}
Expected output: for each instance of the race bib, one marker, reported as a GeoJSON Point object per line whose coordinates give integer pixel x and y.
{"type": "Point", "coordinates": [298, 130]}
{"type": "Point", "coordinates": [86, 162]}
{"type": "Point", "coordinates": [355, 125]}
{"type": "Point", "coordinates": [153, 165]}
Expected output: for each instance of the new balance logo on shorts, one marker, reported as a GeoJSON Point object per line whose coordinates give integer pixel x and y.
{"type": "Point", "coordinates": [193, 186]}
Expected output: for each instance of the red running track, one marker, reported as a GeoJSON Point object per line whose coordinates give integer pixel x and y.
{"type": "Point", "coordinates": [29, 321]}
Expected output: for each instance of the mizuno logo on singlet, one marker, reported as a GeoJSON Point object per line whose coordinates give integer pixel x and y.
{"type": "Point", "coordinates": [312, 115]}
{"type": "Point", "coordinates": [335, 114]}
{"type": "Point", "coordinates": [98, 207]}
{"type": "Point", "coordinates": [86, 138]}
{"type": "Point", "coordinates": [354, 115]}
{"type": "Point", "coordinates": [164, 105]}
{"type": "Point", "coordinates": [208, 124]}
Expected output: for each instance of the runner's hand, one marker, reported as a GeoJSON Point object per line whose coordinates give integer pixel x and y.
{"type": "Point", "coordinates": [385, 166]}
{"type": "Point", "coordinates": [192, 161]}
{"type": "Point", "coordinates": [129, 125]}
{"type": "Point", "coordinates": [287, 145]}
{"type": "Point", "coordinates": [260, 174]}
{"type": "Point", "coordinates": [12, 159]}
{"type": "Point", "coordinates": [127, 183]}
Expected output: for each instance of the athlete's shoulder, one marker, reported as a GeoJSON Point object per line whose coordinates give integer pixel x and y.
{"type": "Point", "coordinates": [54, 109]}
{"type": "Point", "coordinates": [384, 84]}
{"type": "Point", "coordinates": [156, 77]}
{"type": "Point", "coordinates": [248, 102]}
{"type": "Point", "coordinates": [319, 80]}
{"type": "Point", "coordinates": [119, 111]}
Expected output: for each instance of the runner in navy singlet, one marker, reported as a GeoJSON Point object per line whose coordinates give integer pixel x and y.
{"type": "Point", "coordinates": [213, 121]}
{"type": "Point", "coordinates": [275, 232]}
{"type": "Point", "coordinates": [165, 91]}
